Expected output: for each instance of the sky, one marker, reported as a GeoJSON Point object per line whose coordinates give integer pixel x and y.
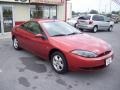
{"type": "Point", "coordinates": [100, 5]}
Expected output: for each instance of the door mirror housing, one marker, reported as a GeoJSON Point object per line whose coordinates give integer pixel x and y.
{"type": "Point", "coordinates": [40, 36]}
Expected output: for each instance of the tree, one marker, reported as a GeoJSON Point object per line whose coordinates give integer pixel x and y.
{"type": "Point", "coordinates": [93, 12]}
{"type": "Point", "coordinates": [115, 12]}
{"type": "Point", "coordinates": [73, 13]}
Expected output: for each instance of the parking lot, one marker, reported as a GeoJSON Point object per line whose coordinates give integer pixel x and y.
{"type": "Point", "coordinates": [20, 70]}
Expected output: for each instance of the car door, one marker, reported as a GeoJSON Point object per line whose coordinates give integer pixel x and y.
{"type": "Point", "coordinates": [107, 22]}
{"type": "Point", "coordinates": [36, 45]}
{"type": "Point", "coordinates": [23, 35]}
{"type": "Point", "coordinates": [101, 22]}
{"type": "Point", "coordinates": [98, 21]}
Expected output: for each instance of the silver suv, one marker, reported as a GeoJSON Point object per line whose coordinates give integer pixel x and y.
{"type": "Point", "coordinates": [94, 22]}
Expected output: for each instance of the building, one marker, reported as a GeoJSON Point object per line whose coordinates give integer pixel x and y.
{"type": "Point", "coordinates": [14, 11]}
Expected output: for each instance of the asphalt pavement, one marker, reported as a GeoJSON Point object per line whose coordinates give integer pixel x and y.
{"type": "Point", "coordinates": [20, 70]}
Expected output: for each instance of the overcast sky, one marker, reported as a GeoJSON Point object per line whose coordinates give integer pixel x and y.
{"type": "Point", "coordinates": [100, 5]}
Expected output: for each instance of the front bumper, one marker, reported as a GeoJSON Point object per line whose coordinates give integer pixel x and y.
{"type": "Point", "coordinates": [76, 62]}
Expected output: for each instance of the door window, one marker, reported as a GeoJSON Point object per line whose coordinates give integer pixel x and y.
{"type": "Point", "coordinates": [32, 27]}
{"type": "Point", "coordinates": [101, 18]}
{"type": "Point", "coordinates": [107, 19]}
{"type": "Point", "coordinates": [98, 18]}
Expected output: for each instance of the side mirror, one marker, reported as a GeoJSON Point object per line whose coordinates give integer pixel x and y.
{"type": "Point", "coordinates": [40, 36]}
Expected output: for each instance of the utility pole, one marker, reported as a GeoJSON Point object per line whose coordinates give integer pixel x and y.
{"type": "Point", "coordinates": [66, 10]}
{"type": "Point", "coordinates": [110, 6]}
{"type": "Point", "coordinates": [105, 8]}
{"type": "Point", "coordinates": [99, 5]}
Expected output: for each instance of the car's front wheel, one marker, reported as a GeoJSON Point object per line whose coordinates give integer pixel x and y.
{"type": "Point", "coordinates": [16, 44]}
{"type": "Point", "coordinates": [110, 29]}
{"type": "Point", "coordinates": [59, 62]}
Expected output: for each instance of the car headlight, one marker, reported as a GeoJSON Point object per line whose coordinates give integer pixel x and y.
{"type": "Point", "coordinates": [84, 53]}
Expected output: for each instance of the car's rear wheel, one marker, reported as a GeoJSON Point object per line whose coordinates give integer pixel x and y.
{"type": "Point", "coordinates": [75, 25]}
{"type": "Point", "coordinates": [95, 29]}
{"type": "Point", "coordinates": [16, 44]}
{"type": "Point", "coordinates": [59, 62]}
{"type": "Point", "coordinates": [110, 29]}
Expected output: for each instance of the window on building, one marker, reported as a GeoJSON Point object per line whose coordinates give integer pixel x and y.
{"type": "Point", "coordinates": [43, 12]}
{"type": "Point", "coordinates": [36, 12]}
{"type": "Point", "coordinates": [53, 13]}
{"type": "Point", "coordinates": [7, 18]}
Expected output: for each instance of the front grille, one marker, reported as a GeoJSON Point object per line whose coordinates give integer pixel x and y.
{"type": "Point", "coordinates": [94, 68]}
{"type": "Point", "coordinates": [103, 54]}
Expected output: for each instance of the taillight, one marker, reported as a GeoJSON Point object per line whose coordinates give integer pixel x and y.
{"type": "Point", "coordinates": [90, 22]}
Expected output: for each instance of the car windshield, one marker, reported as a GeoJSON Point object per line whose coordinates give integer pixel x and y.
{"type": "Point", "coordinates": [59, 28]}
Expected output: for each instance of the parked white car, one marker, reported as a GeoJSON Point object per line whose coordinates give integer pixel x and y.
{"type": "Point", "coordinates": [72, 21]}
{"type": "Point", "coordinates": [94, 22]}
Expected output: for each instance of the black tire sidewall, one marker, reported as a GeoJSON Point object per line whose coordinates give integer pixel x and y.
{"type": "Point", "coordinates": [75, 25]}
{"type": "Point", "coordinates": [111, 29]}
{"type": "Point", "coordinates": [18, 48]}
{"type": "Point", "coordinates": [65, 67]}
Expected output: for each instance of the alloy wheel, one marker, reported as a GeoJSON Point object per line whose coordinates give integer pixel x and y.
{"type": "Point", "coordinates": [95, 29]}
{"type": "Point", "coordinates": [110, 29]}
{"type": "Point", "coordinates": [58, 63]}
{"type": "Point", "coordinates": [15, 43]}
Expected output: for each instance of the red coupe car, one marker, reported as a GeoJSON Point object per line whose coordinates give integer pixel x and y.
{"type": "Point", "coordinates": [63, 45]}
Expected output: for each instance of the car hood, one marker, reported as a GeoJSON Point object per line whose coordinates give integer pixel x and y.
{"type": "Point", "coordinates": [82, 42]}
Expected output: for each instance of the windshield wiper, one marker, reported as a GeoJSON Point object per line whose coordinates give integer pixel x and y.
{"type": "Point", "coordinates": [73, 33]}
{"type": "Point", "coordinates": [60, 35]}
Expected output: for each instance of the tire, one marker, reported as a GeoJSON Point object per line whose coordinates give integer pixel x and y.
{"type": "Point", "coordinates": [16, 44]}
{"type": "Point", "coordinates": [95, 29]}
{"type": "Point", "coordinates": [81, 30]}
{"type": "Point", "coordinates": [59, 63]}
{"type": "Point", "coordinates": [110, 28]}
{"type": "Point", "coordinates": [75, 25]}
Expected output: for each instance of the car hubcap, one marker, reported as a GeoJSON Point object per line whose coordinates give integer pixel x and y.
{"type": "Point", "coordinates": [15, 43]}
{"type": "Point", "coordinates": [58, 63]}
{"type": "Point", "coordinates": [95, 29]}
{"type": "Point", "coordinates": [110, 28]}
